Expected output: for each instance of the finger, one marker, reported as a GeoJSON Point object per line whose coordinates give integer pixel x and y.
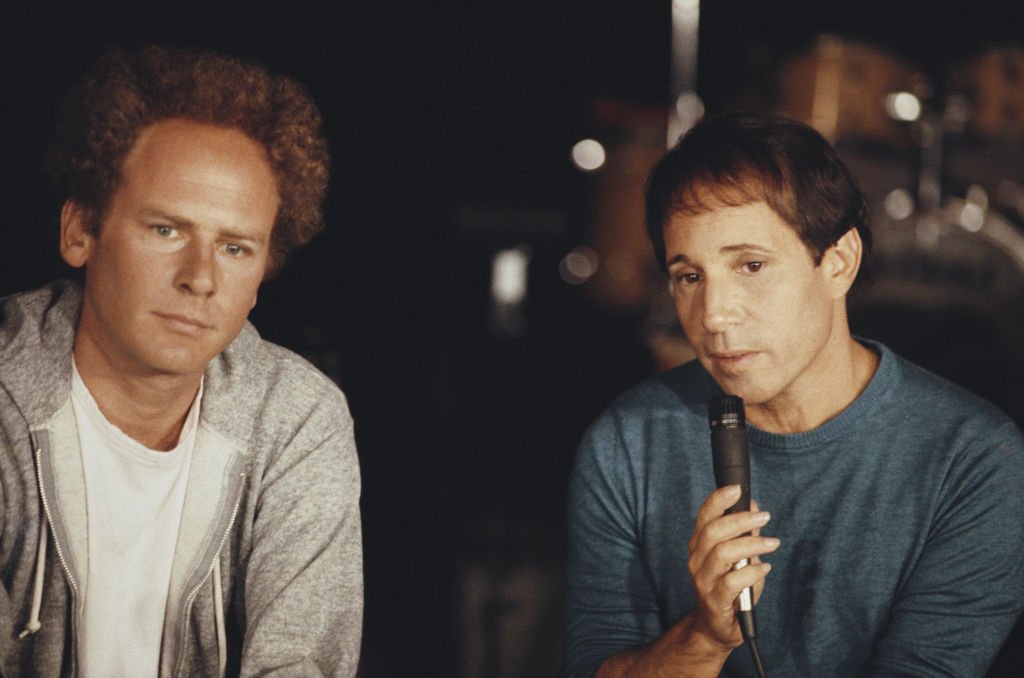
{"type": "Point", "coordinates": [756, 560]}
{"type": "Point", "coordinates": [759, 586]}
{"type": "Point", "coordinates": [752, 577]}
{"type": "Point", "coordinates": [716, 504]}
{"type": "Point", "coordinates": [743, 575]}
{"type": "Point", "coordinates": [725, 528]}
{"type": "Point", "coordinates": [721, 600]}
{"type": "Point", "coordinates": [726, 554]}
{"type": "Point", "coordinates": [713, 508]}
{"type": "Point", "coordinates": [755, 508]}
{"type": "Point", "coordinates": [724, 557]}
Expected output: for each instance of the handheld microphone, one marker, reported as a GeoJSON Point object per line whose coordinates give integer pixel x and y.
{"type": "Point", "coordinates": [731, 458]}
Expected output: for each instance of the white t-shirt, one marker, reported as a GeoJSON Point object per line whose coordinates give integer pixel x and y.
{"type": "Point", "coordinates": [134, 498]}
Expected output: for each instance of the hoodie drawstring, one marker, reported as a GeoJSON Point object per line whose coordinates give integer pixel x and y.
{"type": "Point", "coordinates": [34, 624]}
{"type": "Point", "coordinates": [218, 616]}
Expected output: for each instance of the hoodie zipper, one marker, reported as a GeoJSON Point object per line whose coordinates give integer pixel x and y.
{"type": "Point", "coordinates": [192, 595]}
{"type": "Point", "coordinates": [60, 554]}
{"type": "Point", "coordinates": [49, 519]}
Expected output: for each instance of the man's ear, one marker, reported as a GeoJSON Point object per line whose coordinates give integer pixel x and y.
{"type": "Point", "coordinates": [841, 262]}
{"type": "Point", "coordinates": [76, 237]}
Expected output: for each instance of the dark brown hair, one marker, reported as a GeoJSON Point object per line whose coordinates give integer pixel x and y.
{"type": "Point", "coordinates": [739, 158]}
{"type": "Point", "coordinates": [125, 92]}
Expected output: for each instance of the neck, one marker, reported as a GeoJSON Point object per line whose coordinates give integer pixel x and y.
{"type": "Point", "coordinates": [149, 409]}
{"type": "Point", "coordinates": [846, 369]}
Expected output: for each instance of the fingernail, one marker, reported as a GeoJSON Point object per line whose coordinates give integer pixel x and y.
{"type": "Point", "coordinates": [771, 543]}
{"type": "Point", "coordinates": [733, 491]}
{"type": "Point", "coordinates": [766, 567]}
{"type": "Point", "coordinates": [762, 517]}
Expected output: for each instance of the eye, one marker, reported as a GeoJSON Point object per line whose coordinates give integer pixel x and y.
{"type": "Point", "coordinates": [753, 266]}
{"type": "Point", "coordinates": [687, 278]}
{"type": "Point", "coordinates": [165, 231]}
{"type": "Point", "coordinates": [234, 249]}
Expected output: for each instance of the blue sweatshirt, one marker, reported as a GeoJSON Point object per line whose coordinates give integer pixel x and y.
{"type": "Point", "coordinates": [901, 521]}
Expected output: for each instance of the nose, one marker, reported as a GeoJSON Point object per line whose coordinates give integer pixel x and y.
{"type": "Point", "coordinates": [721, 307]}
{"type": "Point", "coordinates": [197, 272]}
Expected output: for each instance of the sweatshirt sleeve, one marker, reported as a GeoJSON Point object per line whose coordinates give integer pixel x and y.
{"type": "Point", "coordinates": [303, 587]}
{"type": "Point", "coordinates": [611, 604]}
{"type": "Point", "coordinates": [965, 591]}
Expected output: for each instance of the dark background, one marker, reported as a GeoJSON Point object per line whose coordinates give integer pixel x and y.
{"type": "Point", "coordinates": [450, 127]}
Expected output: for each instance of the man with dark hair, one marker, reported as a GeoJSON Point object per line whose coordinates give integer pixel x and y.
{"type": "Point", "coordinates": [895, 539]}
{"type": "Point", "coordinates": [179, 497]}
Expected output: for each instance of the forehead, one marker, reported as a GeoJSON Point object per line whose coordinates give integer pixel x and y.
{"type": "Point", "coordinates": [201, 174]}
{"type": "Point", "coordinates": [722, 224]}
{"type": "Point", "coordinates": [183, 150]}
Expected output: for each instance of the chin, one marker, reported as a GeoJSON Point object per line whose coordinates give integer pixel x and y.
{"type": "Point", "coordinates": [745, 388]}
{"type": "Point", "coordinates": [174, 363]}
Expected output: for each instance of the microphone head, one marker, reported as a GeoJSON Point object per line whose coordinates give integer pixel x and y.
{"type": "Point", "coordinates": [726, 410]}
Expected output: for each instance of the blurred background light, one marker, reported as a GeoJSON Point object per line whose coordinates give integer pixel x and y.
{"type": "Point", "coordinates": [899, 204]}
{"type": "Point", "coordinates": [972, 217]}
{"type": "Point", "coordinates": [578, 266]}
{"type": "Point", "coordinates": [929, 231]}
{"type": "Point", "coordinates": [903, 106]}
{"type": "Point", "coordinates": [509, 274]}
{"type": "Point", "coordinates": [977, 195]}
{"type": "Point", "coordinates": [588, 155]}
{"type": "Point", "coordinates": [685, 7]}
{"type": "Point", "coordinates": [689, 107]}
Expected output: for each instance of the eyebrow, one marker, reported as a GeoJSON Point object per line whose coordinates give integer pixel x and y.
{"type": "Point", "coordinates": [728, 249]}
{"type": "Point", "coordinates": [149, 213]}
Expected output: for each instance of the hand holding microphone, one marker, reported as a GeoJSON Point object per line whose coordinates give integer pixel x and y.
{"type": "Point", "coordinates": [726, 536]}
{"type": "Point", "coordinates": [730, 456]}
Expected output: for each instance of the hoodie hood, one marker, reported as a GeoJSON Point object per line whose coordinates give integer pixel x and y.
{"type": "Point", "coordinates": [36, 335]}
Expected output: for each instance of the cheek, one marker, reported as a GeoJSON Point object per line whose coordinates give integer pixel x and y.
{"type": "Point", "coordinates": [244, 290]}
{"type": "Point", "coordinates": [687, 314]}
{"type": "Point", "coordinates": [135, 265]}
{"type": "Point", "coordinates": [808, 320]}
{"type": "Point", "coordinates": [119, 276]}
{"type": "Point", "coordinates": [146, 244]}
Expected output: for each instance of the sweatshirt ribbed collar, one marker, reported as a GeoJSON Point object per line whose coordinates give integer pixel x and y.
{"type": "Point", "coordinates": [862, 406]}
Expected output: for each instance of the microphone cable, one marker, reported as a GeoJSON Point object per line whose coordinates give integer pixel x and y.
{"type": "Point", "coordinates": [751, 640]}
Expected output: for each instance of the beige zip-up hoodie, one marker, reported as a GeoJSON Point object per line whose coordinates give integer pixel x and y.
{"type": "Point", "coordinates": [267, 572]}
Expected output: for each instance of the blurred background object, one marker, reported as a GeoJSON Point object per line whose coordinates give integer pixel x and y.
{"type": "Point", "coordinates": [485, 286]}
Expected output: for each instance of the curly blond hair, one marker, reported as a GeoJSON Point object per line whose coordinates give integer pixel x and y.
{"type": "Point", "coordinates": [125, 92]}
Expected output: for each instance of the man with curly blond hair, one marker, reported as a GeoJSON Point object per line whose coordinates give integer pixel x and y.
{"type": "Point", "coordinates": [178, 497]}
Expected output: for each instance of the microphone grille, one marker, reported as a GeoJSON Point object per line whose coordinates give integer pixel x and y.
{"type": "Point", "coordinates": [726, 410]}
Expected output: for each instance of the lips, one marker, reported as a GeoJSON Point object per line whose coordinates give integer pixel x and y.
{"type": "Point", "coordinates": [184, 324]}
{"type": "Point", "coordinates": [732, 361]}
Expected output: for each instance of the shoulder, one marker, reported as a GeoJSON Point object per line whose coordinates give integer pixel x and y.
{"type": "Point", "coordinates": [35, 314]}
{"type": "Point", "coordinates": [918, 394]}
{"type": "Point", "coordinates": [259, 389]}
{"type": "Point", "coordinates": [36, 337]}
{"type": "Point", "coordinates": [669, 409]}
{"type": "Point", "coordinates": [678, 392]}
{"type": "Point", "coordinates": [944, 424]}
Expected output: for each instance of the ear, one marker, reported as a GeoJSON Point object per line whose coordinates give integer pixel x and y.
{"type": "Point", "coordinates": [841, 262]}
{"type": "Point", "coordinates": [76, 238]}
